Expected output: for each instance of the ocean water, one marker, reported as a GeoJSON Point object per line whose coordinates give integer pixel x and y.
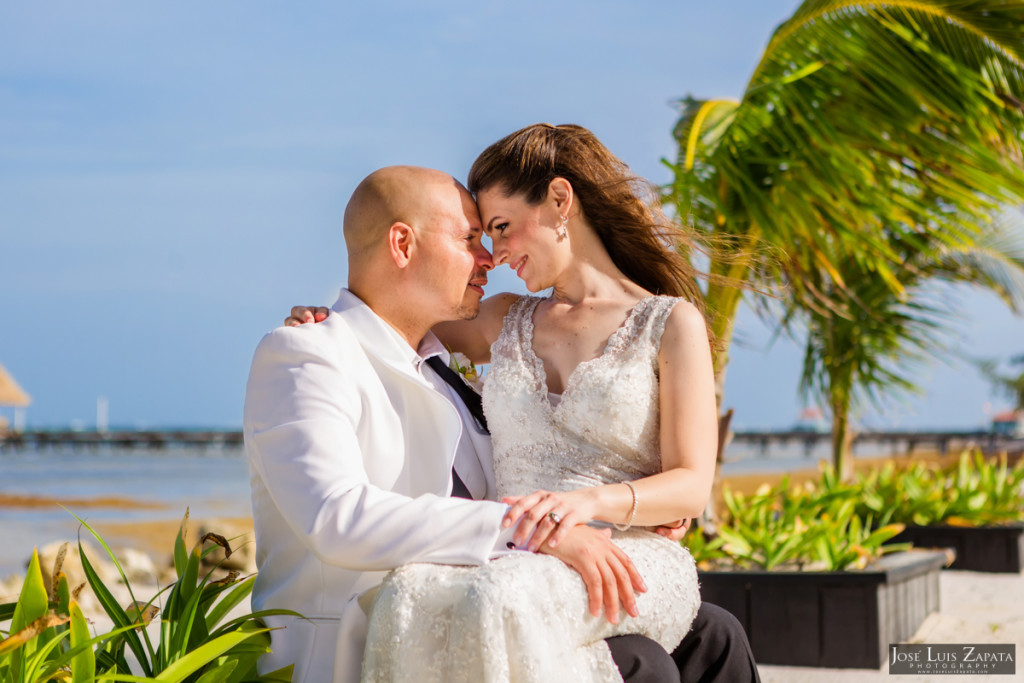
{"type": "Point", "coordinates": [154, 476]}
{"type": "Point", "coordinates": [211, 482]}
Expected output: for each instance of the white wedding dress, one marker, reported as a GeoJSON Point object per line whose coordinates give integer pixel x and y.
{"type": "Point", "coordinates": [525, 618]}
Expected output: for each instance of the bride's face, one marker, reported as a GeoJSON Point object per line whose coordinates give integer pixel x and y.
{"type": "Point", "coordinates": [524, 236]}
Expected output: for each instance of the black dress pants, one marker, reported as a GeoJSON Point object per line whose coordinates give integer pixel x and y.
{"type": "Point", "coordinates": [716, 650]}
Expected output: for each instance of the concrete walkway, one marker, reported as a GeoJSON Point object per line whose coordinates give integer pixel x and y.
{"type": "Point", "coordinates": [974, 608]}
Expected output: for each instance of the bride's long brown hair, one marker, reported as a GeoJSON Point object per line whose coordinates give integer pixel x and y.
{"type": "Point", "coordinates": [623, 208]}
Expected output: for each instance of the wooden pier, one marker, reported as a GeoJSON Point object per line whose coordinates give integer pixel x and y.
{"type": "Point", "coordinates": [898, 441]}
{"type": "Point", "coordinates": [151, 439]}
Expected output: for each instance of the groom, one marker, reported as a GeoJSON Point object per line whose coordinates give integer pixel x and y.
{"type": "Point", "coordinates": [352, 436]}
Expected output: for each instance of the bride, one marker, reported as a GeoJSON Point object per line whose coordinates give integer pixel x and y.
{"type": "Point", "coordinates": [600, 401]}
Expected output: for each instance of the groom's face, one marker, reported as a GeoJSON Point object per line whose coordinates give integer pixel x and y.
{"type": "Point", "coordinates": [455, 260]}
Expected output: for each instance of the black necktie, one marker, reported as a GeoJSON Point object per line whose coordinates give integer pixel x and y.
{"type": "Point", "coordinates": [468, 396]}
{"type": "Point", "coordinates": [473, 403]}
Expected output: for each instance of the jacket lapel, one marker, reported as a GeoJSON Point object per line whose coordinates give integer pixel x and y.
{"type": "Point", "coordinates": [431, 423]}
{"type": "Point", "coordinates": [377, 338]}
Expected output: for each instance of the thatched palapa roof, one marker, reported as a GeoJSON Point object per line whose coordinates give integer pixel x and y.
{"type": "Point", "coordinates": [10, 393]}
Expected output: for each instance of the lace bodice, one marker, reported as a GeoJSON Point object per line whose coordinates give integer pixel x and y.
{"type": "Point", "coordinates": [605, 428]}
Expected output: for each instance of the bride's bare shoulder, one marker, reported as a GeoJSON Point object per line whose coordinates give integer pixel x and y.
{"type": "Point", "coordinates": [493, 309]}
{"type": "Point", "coordinates": [685, 331]}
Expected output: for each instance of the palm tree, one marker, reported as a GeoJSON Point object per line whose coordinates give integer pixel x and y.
{"type": "Point", "coordinates": [875, 347]}
{"type": "Point", "coordinates": [1010, 385]}
{"type": "Point", "coordinates": [868, 133]}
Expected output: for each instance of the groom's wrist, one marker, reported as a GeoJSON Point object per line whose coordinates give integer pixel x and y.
{"type": "Point", "coordinates": [505, 545]}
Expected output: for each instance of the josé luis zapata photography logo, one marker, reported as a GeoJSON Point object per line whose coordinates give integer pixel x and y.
{"type": "Point", "coordinates": [957, 659]}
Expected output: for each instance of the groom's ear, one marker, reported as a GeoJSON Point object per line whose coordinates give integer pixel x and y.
{"type": "Point", "coordinates": [401, 239]}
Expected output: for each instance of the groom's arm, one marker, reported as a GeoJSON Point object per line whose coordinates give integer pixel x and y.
{"type": "Point", "coordinates": [301, 419]}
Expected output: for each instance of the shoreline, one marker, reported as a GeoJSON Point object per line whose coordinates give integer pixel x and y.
{"type": "Point", "coordinates": [16, 500]}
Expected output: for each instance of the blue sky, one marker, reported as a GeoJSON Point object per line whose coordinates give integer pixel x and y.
{"type": "Point", "coordinates": [173, 175]}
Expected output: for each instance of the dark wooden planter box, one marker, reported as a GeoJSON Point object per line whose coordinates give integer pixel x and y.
{"type": "Point", "coordinates": [830, 619]}
{"type": "Point", "coordinates": [979, 549]}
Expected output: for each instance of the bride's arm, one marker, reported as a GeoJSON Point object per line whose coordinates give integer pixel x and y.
{"type": "Point", "coordinates": [474, 337]}
{"type": "Point", "coordinates": [689, 440]}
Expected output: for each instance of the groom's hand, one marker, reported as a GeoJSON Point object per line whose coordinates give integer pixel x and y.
{"type": "Point", "coordinates": [674, 532]}
{"type": "Point", "coordinates": [606, 570]}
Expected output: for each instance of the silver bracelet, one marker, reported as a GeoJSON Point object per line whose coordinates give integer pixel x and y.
{"type": "Point", "coordinates": [632, 512]}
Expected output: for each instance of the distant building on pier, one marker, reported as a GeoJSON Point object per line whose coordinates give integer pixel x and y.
{"type": "Point", "coordinates": [1010, 423]}
{"type": "Point", "coordinates": [811, 421]}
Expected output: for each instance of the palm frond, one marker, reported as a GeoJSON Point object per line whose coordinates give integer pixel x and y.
{"type": "Point", "coordinates": [995, 260]}
{"type": "Point", "coordinates": [864, 119]}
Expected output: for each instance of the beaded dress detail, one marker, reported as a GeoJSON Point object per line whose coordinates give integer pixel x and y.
{"type": "Point", "coordinates": [525, 618]}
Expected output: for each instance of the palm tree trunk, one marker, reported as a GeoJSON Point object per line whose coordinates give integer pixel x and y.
{"type": "Point", "coordinates": [722, 302]}
{"type": "Point", "coordinates": [842, 440]}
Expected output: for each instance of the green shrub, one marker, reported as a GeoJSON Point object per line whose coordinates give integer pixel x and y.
{"type": "Point", "coordinates": [48, 638]}
{"type": "Point", "coordinates": [974, 492]}
{"type": "Point", "coordinates": [814, 527]}
{"type": "Point", "coordinates": [831, 525]}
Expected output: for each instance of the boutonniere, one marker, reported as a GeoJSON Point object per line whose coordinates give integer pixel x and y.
{"type": "Point", "coordinates": [466, 370]}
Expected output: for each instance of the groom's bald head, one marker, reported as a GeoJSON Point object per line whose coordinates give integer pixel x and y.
{"type": "Point", "coordinates": [414, 250]}
{"type": "Point", "coordinates": [395, 194]}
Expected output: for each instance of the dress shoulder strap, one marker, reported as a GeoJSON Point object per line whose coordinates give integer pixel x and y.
{"type": "Point", "coordinates": [518, 322]}
{"type": "Point", "coordinates": [657, 313]}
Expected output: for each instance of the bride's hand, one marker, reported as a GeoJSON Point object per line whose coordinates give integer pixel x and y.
{"type": "Point", "coordinates": [306, 314]}
{"type": "Point", "coordinates": [606, 570]}
{"type": "Point", "coordinates": [548, 516]}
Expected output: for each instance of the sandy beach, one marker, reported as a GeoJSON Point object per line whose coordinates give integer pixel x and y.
{"type": "Point", "coordinates": [13, 500]}
{"type": "Point", "coordinates": [748, 483]}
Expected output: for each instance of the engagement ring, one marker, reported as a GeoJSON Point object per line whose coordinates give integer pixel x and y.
{"type": "Point", "coordinates": [555, 517]}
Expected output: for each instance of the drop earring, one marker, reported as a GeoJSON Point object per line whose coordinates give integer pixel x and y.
{"type": "Point", "coordinates": [562, 230]}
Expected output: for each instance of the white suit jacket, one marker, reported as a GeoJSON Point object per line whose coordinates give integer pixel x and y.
{"type": "Point", "coordinates": [350, 452]}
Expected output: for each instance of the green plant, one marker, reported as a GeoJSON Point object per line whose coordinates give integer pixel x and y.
{"type": "Point", "coordinates": [974, 492]}
{"type": "Point", "coordinates": [834, 525]}
{"type": "Point", "coordinates": [40, 646]}
{"type": "Point", "coordinates": [814, 527]}
{"type": "Point", "coordinates": [706, 547]}
{"type": "Point", "coordinates": [48, 638]}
